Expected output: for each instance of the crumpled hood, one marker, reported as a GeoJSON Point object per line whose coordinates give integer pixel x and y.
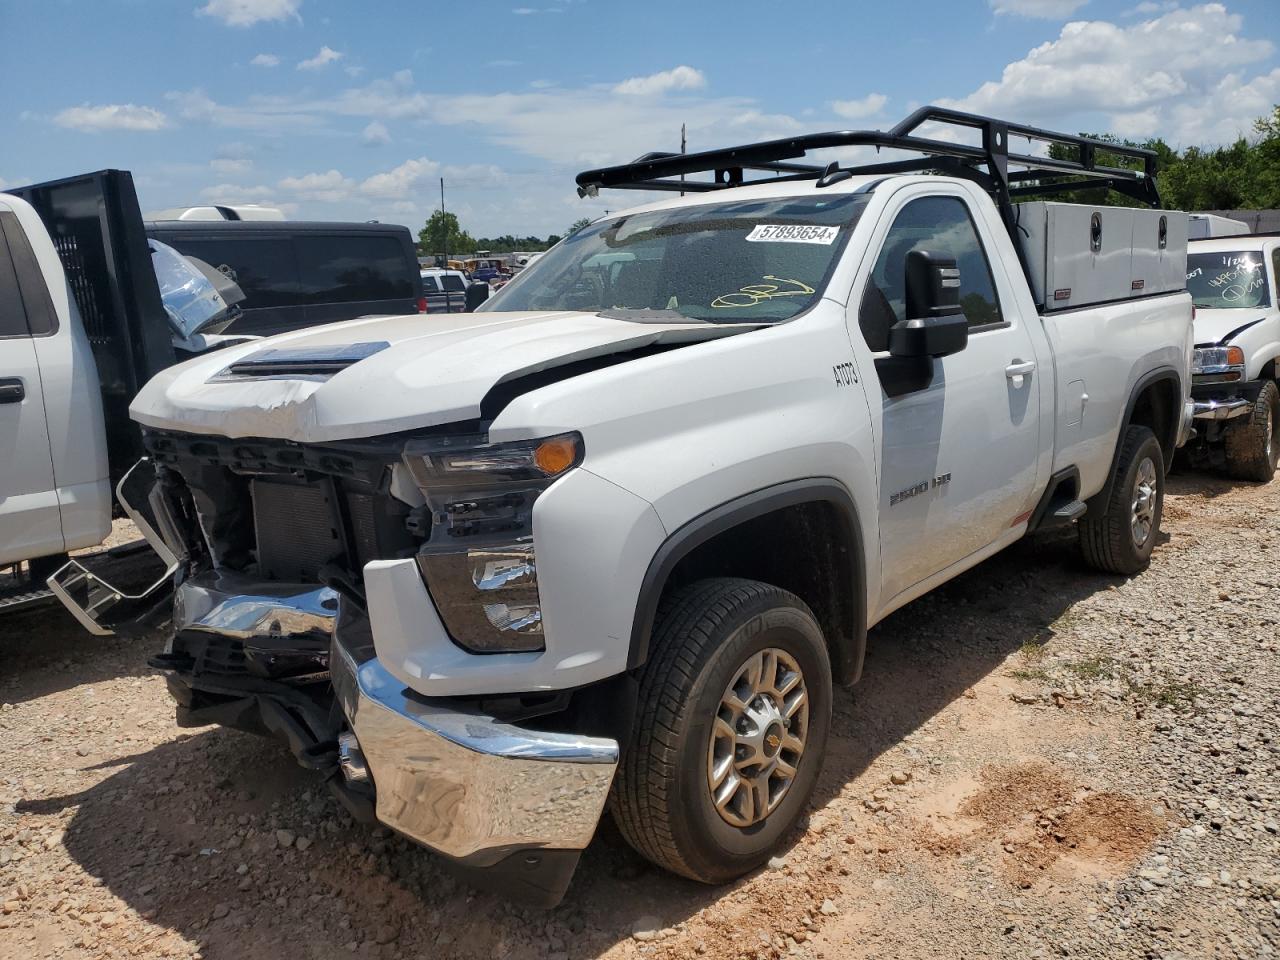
{"type": "Point", "coordinates": [1214, 325]}
{"type": "Point", "coordinates": [434, 369]}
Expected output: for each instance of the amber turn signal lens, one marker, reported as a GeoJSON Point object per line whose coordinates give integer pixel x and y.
{"type": "Point", "coordinates": [1235, 356]}
{"type": "Point", "coordinates": [556, 455]}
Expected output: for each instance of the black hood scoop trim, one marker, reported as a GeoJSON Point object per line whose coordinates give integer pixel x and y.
{"type": "Point", "coordinates": [300, 362]}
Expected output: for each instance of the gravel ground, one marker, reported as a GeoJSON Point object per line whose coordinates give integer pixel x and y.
{"type": "Point", "coordinates": [1039, 762]}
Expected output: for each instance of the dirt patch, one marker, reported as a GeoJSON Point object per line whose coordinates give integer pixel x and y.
{"type": "Point", "coordinates": [1037, 823]}
{"type": "Point", "coordinates": [1010, 793]}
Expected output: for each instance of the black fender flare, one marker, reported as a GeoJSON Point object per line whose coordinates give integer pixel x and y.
{"type": "Point", "coordinates": [1168, 445]}
{"type": "Point", "coordinates": [848, 652]}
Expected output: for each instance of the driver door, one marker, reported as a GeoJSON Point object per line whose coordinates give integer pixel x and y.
{"type": "Point", "coordinates": [30, 521]}
{"type": "Point", "coordinates": [958, 454]}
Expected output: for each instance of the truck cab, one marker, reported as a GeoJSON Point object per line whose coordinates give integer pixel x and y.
{"type": "Point", "coordinates": [1233, 281]}
{"type": "Point", "coordinates": [54, 474]}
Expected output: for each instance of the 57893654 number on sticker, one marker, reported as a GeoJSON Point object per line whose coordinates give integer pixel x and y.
{"type": "Point", "coordinates": [795, 233]}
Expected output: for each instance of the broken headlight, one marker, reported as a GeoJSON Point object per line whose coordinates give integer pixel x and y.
{"type": "Point", "coordinates": [478, 562]}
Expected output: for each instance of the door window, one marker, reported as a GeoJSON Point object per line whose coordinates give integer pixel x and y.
{"type": "Point", "coordinates": [430, 285]}
{"type": "Point", "coordinates": [343, 269]}
{"type": "Point", "coordinates": [941, 225]}
{"type": "Point", "coordinates": [13, 316]}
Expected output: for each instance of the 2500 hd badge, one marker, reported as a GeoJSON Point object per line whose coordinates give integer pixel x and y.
{"type": "Point", "coordinates": [923, 486]}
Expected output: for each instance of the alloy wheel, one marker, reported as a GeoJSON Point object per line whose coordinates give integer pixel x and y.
{"type": "Point", "coordinates": [758, 737]}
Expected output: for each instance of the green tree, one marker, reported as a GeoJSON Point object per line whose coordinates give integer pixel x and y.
{"type": "Point", "coordinates": [442, 234]}
{"type": "Point", "coordinates": [578, 225]}
{"type": "Point", "coordinates": [1242, 175]}
{"type": "Point", "coordinates": [1266, 175]}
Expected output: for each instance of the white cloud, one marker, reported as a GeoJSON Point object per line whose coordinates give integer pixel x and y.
{"type": "Point", "coordinates": [230, 166]}
{"type": "Point", "coordinates": [1040, 9]}
{"type": "Point", "coordinates": [328, 187]}
{"type": "Point", "coordinates": [680, 78]}
{"type": "Point", "coordinates": [269, 114]}
{"type": "Point", "coordinates": [868, 106]}
{"type": "Point", "coordinates": [111, 116]}
{"type": "Point", "coordinates": [230, 193]}
{"type": "Point", "coordinates": [401, 180]}
{"type": "Point", "coordinates": [375, 133]}
{"type": "Point", "coordinates": [523, 11]}
{"type": "Point", "coordinates": [326, 56]}
{"type": "Point", "coordinates": [245, 13]}
{"type": "Point", "coordinates": [1178, 75]}
{"type": "Point", "coordinates": [265, 60]}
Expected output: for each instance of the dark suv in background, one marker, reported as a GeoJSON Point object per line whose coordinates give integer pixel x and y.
{"type": "Point", "coordinates": [300, 274]}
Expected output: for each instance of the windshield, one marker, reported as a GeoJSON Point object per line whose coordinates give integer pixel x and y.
{"type": "Point", "coordinates": [753, 261]}
{"type": "Point", "coordinates": [1221, 281]}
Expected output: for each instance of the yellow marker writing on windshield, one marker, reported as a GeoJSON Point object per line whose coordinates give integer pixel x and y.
{"type": "Point", "coordinates": [754, 293]}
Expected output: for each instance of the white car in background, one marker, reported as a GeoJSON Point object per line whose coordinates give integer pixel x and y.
{"type": "Point", "coordinates": [444, 290]}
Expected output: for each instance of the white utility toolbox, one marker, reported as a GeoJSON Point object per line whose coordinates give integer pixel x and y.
{"type": "Point", "coordinates": [1079, 255]}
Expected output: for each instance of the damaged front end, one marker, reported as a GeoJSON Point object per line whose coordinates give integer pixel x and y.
{"type": "Point", "coordinates": [269, 541]}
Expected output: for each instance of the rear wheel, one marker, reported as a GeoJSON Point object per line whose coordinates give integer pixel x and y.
{"type": "Point", "coordinates": [1120, 537]}
{"type": "Point", "coordinates": [1253, 446]}
{"type": "Point", "coordinates": [735, 707]}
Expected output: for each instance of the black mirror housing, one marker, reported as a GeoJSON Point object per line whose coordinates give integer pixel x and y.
{"type": "Point", "coordinates": [935, 325]}
{"type": "Point", "coordinates": [929, 336]}
{"type": "Point", "coordinates": [477, 293]}
{"type": "Point", "coordinates": [933, 285]}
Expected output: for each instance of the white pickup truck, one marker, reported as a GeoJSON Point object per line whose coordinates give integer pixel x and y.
{"type": "Point", "coordinates": [616, 536]}
{"type": "Point", "coordinates": [89, 309]}
{"type": "Point", "coordinates": [1234, 282]}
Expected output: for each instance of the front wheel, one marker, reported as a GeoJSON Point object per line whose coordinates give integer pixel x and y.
{"type": "Point", "coordinates": [1253, 446]}
{"type": "Point", "coordinates": [1120, 536]}
{"type": "Point", "coordinates": [735, 707]}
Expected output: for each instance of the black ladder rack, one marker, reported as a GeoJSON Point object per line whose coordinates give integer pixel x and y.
{"type": "Point", "coordinates": [660, 171]}
{"type": "Point", "coordinates": [988, 164]}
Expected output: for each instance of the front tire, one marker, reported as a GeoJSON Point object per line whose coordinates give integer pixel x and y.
{"type": "Point", "coordinates": [735, 709]}
{"type": "Point", "coordinates": [1120, 538]}
{"type": "Point", "coordinates": [1253, 447]}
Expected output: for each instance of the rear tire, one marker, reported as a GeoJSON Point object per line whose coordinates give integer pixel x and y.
{"type": "Point", "coordinates": [1253, 446]}
{"type": "Point", "coordinates": [719, 766]}
{"type": "Point", "coordinates": [1120, 537]}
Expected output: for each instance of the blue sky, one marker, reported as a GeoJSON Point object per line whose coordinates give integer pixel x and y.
{"type": "Point", "coordinates": [335, 109]}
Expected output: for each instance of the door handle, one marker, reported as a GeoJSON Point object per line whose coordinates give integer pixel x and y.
{"type": "Point", "coordinates": [12, 390]}
{"type": "Point", "coordinates": [1019, 368]}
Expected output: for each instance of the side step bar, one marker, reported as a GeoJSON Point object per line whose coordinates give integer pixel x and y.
{"type": "Point", "coordinates": [24, 600]}
{"type": "Point", "coordinates": [1059, 506]}
{"type": "Point", "coordinates": [100, 606]}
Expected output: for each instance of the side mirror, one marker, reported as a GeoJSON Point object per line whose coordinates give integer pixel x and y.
{"type": "Point", "coordinates": [477, 293]}
{"type": "Point", "coordinates": [935, 325]}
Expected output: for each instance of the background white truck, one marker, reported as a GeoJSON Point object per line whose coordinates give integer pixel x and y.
{"type": "Point", "coordinates": [1234, 282]}
{"type": "Point", "coordinates": [89, 309]}
{"type": "Point", "coordinates": [619, 534]}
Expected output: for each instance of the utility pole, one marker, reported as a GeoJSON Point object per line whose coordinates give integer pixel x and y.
{"type": "Point", "coordinates": [683, 146]}
{"type": "Point", "coordinates": [448, 297]}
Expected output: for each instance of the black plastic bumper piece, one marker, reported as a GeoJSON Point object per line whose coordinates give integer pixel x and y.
{"type": "Point", "coordinates": [538, 877]}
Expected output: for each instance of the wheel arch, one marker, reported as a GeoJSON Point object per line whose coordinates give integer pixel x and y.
{"type": "Point", "coordinates": [1155, 402]}
{"type": "Point", "coordinates": [815, 550]}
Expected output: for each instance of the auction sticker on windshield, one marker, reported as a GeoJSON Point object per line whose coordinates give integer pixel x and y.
{"type": "Point", "coordinates": [782, 233]}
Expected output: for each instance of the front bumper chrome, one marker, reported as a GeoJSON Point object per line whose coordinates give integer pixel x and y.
{"type": "Point", "coordinates": [1221, 409]}
{"type": "Point", "coordinates": [467, 785]}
